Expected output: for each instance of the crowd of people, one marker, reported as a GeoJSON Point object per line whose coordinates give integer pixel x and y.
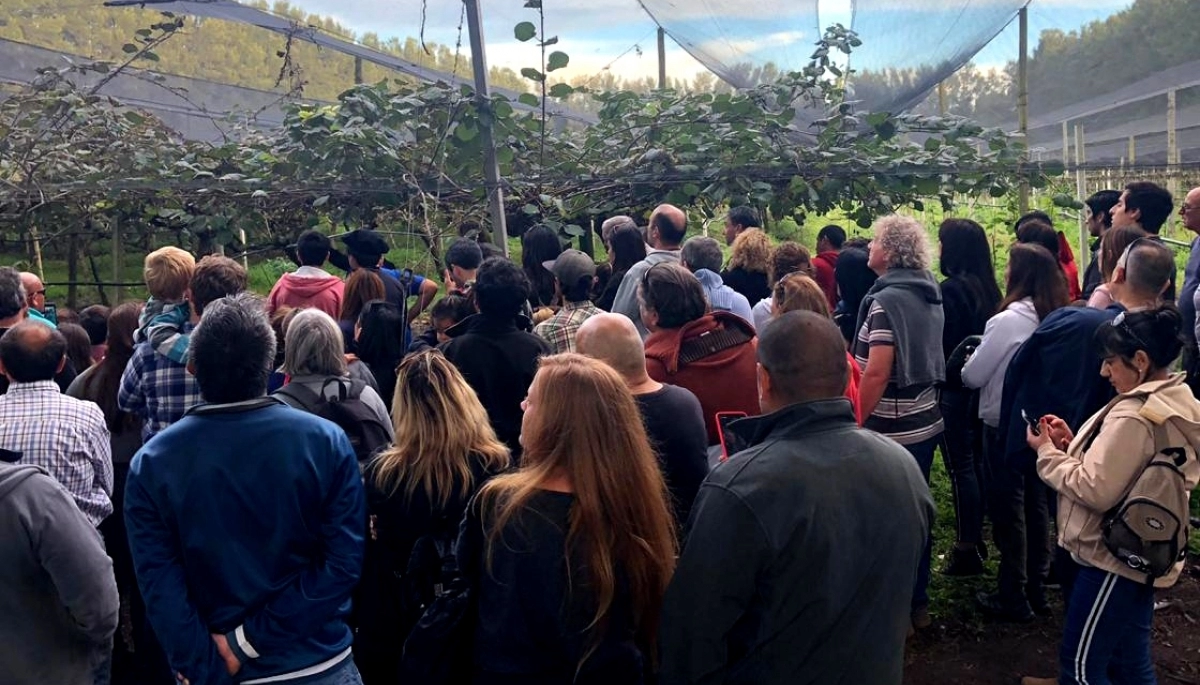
{"type": "Point", "coordinates": [667, 467]}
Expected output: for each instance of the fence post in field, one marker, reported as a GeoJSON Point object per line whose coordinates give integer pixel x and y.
{"type": "Point", "coordinates": [1066, 148]}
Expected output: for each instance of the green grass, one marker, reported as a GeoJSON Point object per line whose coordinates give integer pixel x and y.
{"type": "Point", "coordinates": [953, 597]}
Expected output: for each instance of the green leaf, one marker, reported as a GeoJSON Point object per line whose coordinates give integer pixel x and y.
{"type": "Point", "coordinates": [529, 99]}
{"type": "Point", "coordinates": [530, 209]}
{"type": "Point", "coordinates": [129, 48]}
{"type": "Point", "coordinates": [533, 4]}
{"type": "Point", "coordinates": [320, 201]}
{"type": "Point", "coordinates": [465, 133]}
{"type": "Point", "coordinates": [533, 74]}
{"type": "Point", "coordinates": [561, 90]}
{"type": "Point", "coordinates": [557, 60]}
{"type": "Point", "coordinates": [135, 118]}
{"type": "Point", "coordinates": [153, 57]}
{"type": "Point", "coordinates": [574, 230]}
{"type": "Point", "coordinates": [552, 40]}
{"type": "Point", "coordinates": [525, 31]}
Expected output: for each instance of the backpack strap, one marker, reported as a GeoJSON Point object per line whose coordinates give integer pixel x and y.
{"type": "Point", "coordinates": [297, 396]}
{"type": "Point", "coordinates": [1162, 445]}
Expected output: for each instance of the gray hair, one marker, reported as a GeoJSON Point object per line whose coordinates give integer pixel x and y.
{"type": "Point", "coordinates": [232, 349]}
{"type": "Point", "coordinates": [702, 252]}
{"type": "Point", "coordinates": [313, 345]}
{"type": "Point", "coordinates": [12, 292]}
{"type": "Point", "coordinates": [904, 240]}
{"type": "Point", "coordinates": [613, 224]}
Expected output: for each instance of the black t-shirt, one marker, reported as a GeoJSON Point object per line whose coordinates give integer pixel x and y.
{"type": "Point", "coordinates": [675, 426]}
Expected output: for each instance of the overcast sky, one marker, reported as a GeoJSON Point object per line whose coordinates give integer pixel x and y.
{"type": "Point", "coordinates": [601, 33]}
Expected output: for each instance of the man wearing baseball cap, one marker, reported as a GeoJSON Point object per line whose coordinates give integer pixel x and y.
{"type": "Point", "coordinates": [573, 272]}
{"type": "Point", "coordinates": [366, 250]}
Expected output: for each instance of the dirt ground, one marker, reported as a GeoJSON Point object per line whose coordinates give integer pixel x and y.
{"type": "Point", "coordinates": [964, 650]}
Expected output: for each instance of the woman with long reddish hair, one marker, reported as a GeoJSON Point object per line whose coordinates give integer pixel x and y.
{"type": "Point", "coordinates": [578, 545]}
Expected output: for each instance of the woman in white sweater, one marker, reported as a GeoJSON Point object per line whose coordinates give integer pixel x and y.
{"type": "Point", "coordinates": [1035, 287]}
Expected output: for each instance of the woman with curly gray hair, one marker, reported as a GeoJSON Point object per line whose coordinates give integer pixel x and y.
{"type": "Point", "coordinates": [899, 347]}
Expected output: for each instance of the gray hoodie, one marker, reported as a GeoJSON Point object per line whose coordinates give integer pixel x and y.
{"type": "Point", "coordinates": [58, 597]}
{"type": "Point", "coordinates": [626, 301]}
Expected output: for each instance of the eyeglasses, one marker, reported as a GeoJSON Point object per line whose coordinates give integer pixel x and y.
{"type": "Point", "coordinates": [1144, 240]}
{"type": "Point", "coordinates": [1120, 322]}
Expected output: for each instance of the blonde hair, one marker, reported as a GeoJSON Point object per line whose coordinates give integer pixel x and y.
{"type": "Point", "coordinates": [751, 250]}
{"type": "Point", "coordinates": [440, 426]}
{"type": "Point", "coordinates": [904, 240]}
{"type": "Point", "coordinates": [168, 273]}
{"type": "Point", "coordinates": [798, 292]}
{"type": "Point", "coordinates": [621, 522]}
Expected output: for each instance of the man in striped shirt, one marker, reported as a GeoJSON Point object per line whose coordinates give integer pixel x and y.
{"type": "Point", "coordinates": [899, 347]}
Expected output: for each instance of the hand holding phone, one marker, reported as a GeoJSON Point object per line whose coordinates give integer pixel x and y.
{"type": "Point", "coordinates": [730, 444]}
{"type": "Point", "coordinates": [1033, 424]}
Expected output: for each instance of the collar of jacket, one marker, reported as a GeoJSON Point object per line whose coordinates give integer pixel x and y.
{"type": "Point", "coordinates": [803, 417]}
{"type": "Point", "coordinates": [481, 323]}
{"type": "Point", "coordinates": [664, 343]}
{"type": "Point", "coordinates": [234, 407]}
{"type": "Point", "coordinates": [920, 281]}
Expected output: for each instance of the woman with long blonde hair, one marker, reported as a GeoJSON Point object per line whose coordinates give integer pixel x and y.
{"type": "Point", "coordinates": [749, 264]}
{"type": "Point", "coordinates": [578, 546]}
{"type": "Point", "coordinates": [417, 491]}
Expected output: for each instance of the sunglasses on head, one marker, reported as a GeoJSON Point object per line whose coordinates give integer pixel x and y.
{"type": "Point", "coordinates": [1119, 322]}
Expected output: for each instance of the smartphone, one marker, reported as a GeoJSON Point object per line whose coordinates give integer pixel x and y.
{"type": "Point", "coordinates": [50, 311]}
{"type": "Point", "coordinates": [730, 443]}
{"type": "Point", "coordinates": [1032, 423]}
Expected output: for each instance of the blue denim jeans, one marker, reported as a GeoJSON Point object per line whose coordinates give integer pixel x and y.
{"type": "Point", "coordinates": [344, 674]}
{"type": "Point", "coordinates": [1106, 635]}
{"type": "Point", "coordinates": [923, 452]}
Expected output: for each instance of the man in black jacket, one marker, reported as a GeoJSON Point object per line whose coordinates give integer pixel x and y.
{"type": "Point", "coordinates": [496, 356]}
{"type": "Point", "coordinates": [802, 550]}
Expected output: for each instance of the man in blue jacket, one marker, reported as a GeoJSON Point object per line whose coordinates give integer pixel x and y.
{"type": "Point", "coordinates": [245, 521]}
{"type": "Point", "coordinates": [1056, 371]}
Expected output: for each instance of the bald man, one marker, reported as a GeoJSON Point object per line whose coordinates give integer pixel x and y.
{"type": "Point", "coordinates": [801, 550]}
{"type": "Point", "coordinates": [672, 415]}
{"type": "Point", "coordinates": [35, 297]}
{"type": "Point", "coordinates": [65, 436]}
{"type": "Point", "coordinates": [1189, 212]}
{"type": "Point", "coordinates": [668, 226]}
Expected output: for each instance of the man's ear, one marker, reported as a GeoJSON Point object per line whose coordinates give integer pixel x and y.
{"type": "Point", "coordinates": [764, 381]}
{"type": "Point", "coordinates": [62, 363]}
{"type": "Point", "coordinates": [191, 367]}
{"type": "Point", "coordinates": [1118, 275]}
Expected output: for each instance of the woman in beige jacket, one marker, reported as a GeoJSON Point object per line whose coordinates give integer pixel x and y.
{"type": "Point", "coordinates": [1106, 634]}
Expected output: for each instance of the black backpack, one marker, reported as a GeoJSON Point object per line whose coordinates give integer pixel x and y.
{"type": "Point", "coordinates": [342, 405]}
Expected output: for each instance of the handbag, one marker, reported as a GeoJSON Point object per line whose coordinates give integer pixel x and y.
{"type": "Point", "coordinates": [440, 648]}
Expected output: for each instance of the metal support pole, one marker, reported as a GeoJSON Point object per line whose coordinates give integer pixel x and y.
{"type": "Point", "coordinates": [483, 101]}
{"type": "Point", "coordinates": [1132, 151]}
{"type": "Point", "coordinates": [662, 58]}
{"type": "Point", "coordinates": [1023, 105]}
{"type": "Point", "coordinates": [1066, 148]}
{"type": "Point", "coordinates": [358, 66]}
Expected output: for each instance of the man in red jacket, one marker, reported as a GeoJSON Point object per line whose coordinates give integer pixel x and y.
{"type": "Point", "coordinates": [829, 245]}
{"type": "Point", "coordinates": [310, 285]}
{"type": "Point", "coordinates": [709, 353]}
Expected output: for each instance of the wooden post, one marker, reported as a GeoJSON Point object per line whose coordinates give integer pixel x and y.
{"type": "Point", "coordinates": [1066, 148]}
{"type": "Point", "coordinates": [73, 268]}
{"type": "Point", "coordinates": [358, 68]}
{"type": "Point", "coordinates": [1132, 156]}
{"type": "Point", "coordinates": [1080, 185]}
{"type": "Point", "coordinates": [118, 267]}
{"type": "Point", "coordinates": [941, 98]}
{"type": "Point", "coordinates": [1023, 105]}
{"type": "Point", "coordinates": [1172, 155]}
{"type": "Point", "coordinates": [483, 101]}
{"type": "Point", "coordinates": [662, 58]}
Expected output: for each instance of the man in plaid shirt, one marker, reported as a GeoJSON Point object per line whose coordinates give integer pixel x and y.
{"type": "Point", "coordinates": [158, 389]}
{"type": "Point", "coordinates": [41, 426]}
{"type": "Point", "coordinates": [573, 272]}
